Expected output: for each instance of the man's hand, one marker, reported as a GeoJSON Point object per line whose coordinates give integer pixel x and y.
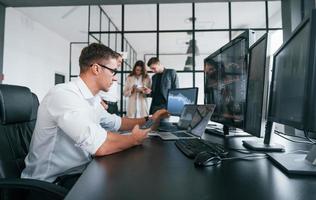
{"type": "Point", "coordinates": [160, 114]}
{"type": "Point", "coordinates": [139, 134]}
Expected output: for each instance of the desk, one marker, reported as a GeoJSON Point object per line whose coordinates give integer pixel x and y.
{"type": "Point", "coordinates": [158, 170]}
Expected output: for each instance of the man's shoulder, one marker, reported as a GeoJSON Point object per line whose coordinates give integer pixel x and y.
{"type": "Point", "coordinates": [63, 89]}
{"type": "Point", "coordinates": [62, 94]}
{"type": "Point", "coordinates": [170, 71]}
{"type": "Point", "coordinates": [64, 86]}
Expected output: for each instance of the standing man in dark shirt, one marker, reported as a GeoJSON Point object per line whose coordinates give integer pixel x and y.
{"type": "Point", "coordinates": [163, 80]}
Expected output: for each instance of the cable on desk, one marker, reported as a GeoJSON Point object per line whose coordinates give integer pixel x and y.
{"type": "Point", "coordinates": [253, 157]}
{"type": "Point", "coordinates": [243, 151]}
{"type": "Point", "coordinates": [297, 151]}
{"type": "Point", "coordinates": [295, 136]}
{"type": "Point", "coordinates": [296, 141]}
{"type": "Point", "coordinates": [308, 138]}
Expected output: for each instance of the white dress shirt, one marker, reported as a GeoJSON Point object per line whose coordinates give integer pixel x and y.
{"type": "Point", "coordinates": [70, 127]}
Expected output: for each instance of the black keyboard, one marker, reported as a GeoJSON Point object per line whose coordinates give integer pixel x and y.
{"type": "Point", "coordinates": [181, 134]}
{"type": "Point", "coordinates": [214, 131]}
{"type": "Point", "coordinates": [191, 147]}
{"type": "Point", "coordinates": [168, 128]}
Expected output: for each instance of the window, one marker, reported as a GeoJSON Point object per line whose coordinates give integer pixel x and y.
{"type": "Point", "coordinates": [174, 40]}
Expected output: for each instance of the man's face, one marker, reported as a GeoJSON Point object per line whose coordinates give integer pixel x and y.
{"type": "Point", "coordinates": [106, 77]}
{"type": "Point", "coordinates": [156, 68]}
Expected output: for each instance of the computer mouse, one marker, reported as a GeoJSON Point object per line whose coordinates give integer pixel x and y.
{"type": "Point", "coordinates": [205, 159]}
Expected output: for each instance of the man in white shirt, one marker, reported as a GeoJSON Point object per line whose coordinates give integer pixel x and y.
{"type": "Point", "coordinates": [72, 126]}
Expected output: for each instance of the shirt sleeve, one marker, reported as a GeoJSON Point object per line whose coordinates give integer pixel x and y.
{"type": "Point", "coordinates": [78, 120]}
{"type": "Point", "coordinates": [110, 122]}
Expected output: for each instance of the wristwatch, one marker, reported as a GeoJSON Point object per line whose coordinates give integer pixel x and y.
{"type": "Point", "coordinates": [146, 118]}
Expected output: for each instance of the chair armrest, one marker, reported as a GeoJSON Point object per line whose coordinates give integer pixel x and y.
{"type": "Point", "coordinates": [49, 189]}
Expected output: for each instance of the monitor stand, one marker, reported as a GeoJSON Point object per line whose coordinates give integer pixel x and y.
{"type": "Point", "coordinates": [259, 145]}
{"type": "Point", "coordinates": [264, 145]}
{"type": "Point", "coordinates": [226, 132]}
{"type": "Point", "coordinates": [296, 163]}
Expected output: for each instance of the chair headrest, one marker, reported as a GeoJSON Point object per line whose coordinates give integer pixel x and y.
{"type": "Point", "coordinates": [16, 104]}
{"type": "Point", "coordinates": [34, 107]}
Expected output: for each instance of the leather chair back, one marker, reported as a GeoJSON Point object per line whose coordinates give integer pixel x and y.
{"type": "Point", "coordinates": [18, 111]}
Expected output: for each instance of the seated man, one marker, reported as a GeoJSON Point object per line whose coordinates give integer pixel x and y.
{"type": "Point", "coordinates": [72, 126]}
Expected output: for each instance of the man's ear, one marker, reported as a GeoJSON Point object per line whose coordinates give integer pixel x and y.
{"type": "Point", "coordinates": [95, 69]}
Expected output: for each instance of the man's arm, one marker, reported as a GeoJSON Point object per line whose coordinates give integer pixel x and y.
{"type": "Point", "coordinates": [116, 142]}
{"type": "Point", "coordinates": [129, 123]}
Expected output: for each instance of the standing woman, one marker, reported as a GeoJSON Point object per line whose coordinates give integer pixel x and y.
{"type": "Point", "coordinates": [137, 86]}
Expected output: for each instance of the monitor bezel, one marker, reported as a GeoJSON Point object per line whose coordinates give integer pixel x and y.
{"type": "Point", "coordinates": [276, 119]}
{"type": "Point", "coordinates": [245, 36]}
{"type": "Point", "coordinates": [264, 37]}
{"type": "Point", "coordinates": [175, 89]}
{"type": "Point", "coordinates": [310, 115]}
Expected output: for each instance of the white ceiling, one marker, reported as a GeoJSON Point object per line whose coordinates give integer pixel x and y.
{"type": "Point", "coordinates": [24, 3]}
{"type": "Point", "coordinates": [71, 22]}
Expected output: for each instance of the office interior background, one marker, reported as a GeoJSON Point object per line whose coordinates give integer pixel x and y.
{"type": "Point", "coordinates": [42, 44]}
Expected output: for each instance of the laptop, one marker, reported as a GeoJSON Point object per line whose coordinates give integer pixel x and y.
{"type": "Point", "coordinates": [184, 121]}
{"type": "Point", "coordinates": [197, 121]}
{"type": "Point", "coordinates": [177, 99]}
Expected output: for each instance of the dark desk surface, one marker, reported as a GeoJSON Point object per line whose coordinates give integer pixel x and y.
{"type": "Point", "coordinates": [158, 170]}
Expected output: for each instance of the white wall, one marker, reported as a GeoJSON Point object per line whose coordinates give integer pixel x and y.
{"type": "Point", "coordinates": [32, 53]}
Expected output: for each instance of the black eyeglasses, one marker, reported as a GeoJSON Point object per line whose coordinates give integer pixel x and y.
{"type": "Point", "coordinates": [113, 71]}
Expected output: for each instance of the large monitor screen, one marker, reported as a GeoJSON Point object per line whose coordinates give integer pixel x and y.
{"type": "Point", "coordinates": [177, 98]}
{"type": "Point", "coordinates": [225, 82]}
{"type": "Point", "coordinates": [255, 87]}
{"type": "Point", "coordinates": [311, 116]}
{"type": "Point", "coordinates": [289, 80]}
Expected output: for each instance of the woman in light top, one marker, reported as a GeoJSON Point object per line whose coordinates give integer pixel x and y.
{"type": "Point", "coordinates": [137, 85]}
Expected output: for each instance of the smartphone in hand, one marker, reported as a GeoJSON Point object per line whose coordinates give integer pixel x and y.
{"type": "Point", "coordinates": [148, 124]}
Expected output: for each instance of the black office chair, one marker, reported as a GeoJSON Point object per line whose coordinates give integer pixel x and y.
{"type": "Point", "coordinates": [18, 111]}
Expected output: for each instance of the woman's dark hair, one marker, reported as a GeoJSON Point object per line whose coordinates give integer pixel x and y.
{"type": "Point", "coordinates": [141, 64]}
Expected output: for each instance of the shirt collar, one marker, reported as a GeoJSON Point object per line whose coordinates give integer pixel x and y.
{"type": "Point", "coordinates": [85, 91]}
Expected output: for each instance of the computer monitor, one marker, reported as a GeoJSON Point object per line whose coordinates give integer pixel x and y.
{"type": "Point", "coordinates": [225, 82]}
{"type": "Point", "coordinates": [291, 91]}
{"type": "Point", "coordinates": [177, 98]}
{"type": "Point", "coordinates": [289, 80]}
{"type": "Point", "coordinates": [256, 100]}
{"type": "Point", "coordinates": [257, 87]}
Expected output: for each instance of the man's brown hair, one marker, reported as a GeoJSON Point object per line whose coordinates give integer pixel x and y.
{"type": "Point", "coordinates": [153, 60]}
{"type": "Point", "coordinates": [93, 53]}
